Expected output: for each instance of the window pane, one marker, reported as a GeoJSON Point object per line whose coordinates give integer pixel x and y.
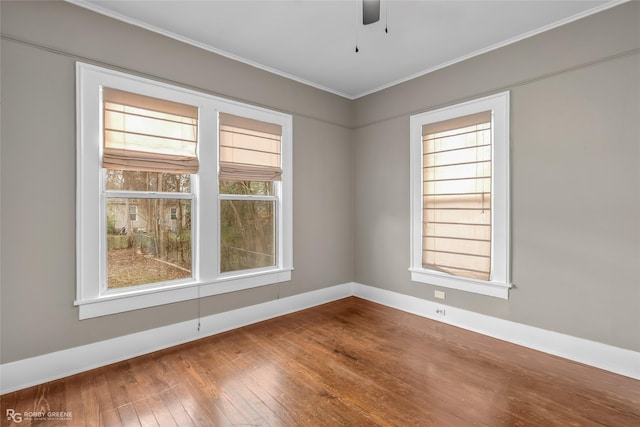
{"type": "Point", "coordinates": [150, 246]}
{"type": "Point", "coordinates": [145, 133]}
{"type": "Point", "coordinates": [129, 180]}
{"type": "Point", "coordinates": [249, 149]}
{"type": "Point", "coordinates": [247, 234]}
{"type": "Point", "coordinates": [262, 188]}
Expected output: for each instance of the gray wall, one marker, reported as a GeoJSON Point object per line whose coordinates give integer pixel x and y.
{"type": "Point", "coordinates": [41, 42]}
{"type": "Point", "coordinates": [575, 168]}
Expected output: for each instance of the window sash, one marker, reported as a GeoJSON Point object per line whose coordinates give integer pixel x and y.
{"type": "Point", "coordinates": [148, 134]}
{"type": "Point", "coordinates": [150, 210]}
{"type": "Point", "coordinates": [250, 150]}
{"type": "Point", "coordinates": [262, 249]}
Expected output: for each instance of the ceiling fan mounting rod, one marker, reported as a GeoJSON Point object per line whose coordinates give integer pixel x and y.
{"type": "Point", "coordinates": [370, 11]}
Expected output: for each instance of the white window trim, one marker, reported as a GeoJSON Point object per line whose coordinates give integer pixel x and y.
{"type": "Point", "coordinates": [499, 283]}
{"type": "Point", "coordinates": [92, 298]}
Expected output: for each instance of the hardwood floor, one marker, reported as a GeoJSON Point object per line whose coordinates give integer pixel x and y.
{"type": "Point", "coordinates": [347, 363]}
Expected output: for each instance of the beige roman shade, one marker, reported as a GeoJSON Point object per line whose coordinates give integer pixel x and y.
{"type": "Point", "coordinates": [148, 134]}
{"type": "Point", "coordinates": [457, 196]}
{"type": "Point", "coordinates": [249, 149]}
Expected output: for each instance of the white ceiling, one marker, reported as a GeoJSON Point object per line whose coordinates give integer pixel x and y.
{"type": "Point", "coordinates": [313, 41]}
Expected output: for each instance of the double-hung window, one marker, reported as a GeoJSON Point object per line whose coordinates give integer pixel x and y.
{"type": "Point", "coordinates": [149, 154]}
{"type": "Point", "coordinates": [179, 194]}
{"type": "Point", "coordinates": [460, 189]}
{"type": "Point", "coordinates": [249, 182]}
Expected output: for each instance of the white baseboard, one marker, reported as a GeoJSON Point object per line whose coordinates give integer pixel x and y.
{"type": "Point", "coordinates": [614, 359]}
{"type": "Point", "coordinates": [48, 367]}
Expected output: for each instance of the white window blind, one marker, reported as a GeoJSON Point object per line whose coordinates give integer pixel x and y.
{"type": "Point", "coordinates": [149, 134]}
{"type": "Point", "coordinates": [457, 196]}
{"type": "Point", "coordinates": [249, 149]}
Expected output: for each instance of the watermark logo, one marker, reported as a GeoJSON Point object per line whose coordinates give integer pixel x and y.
{"type": "Point", "coordinates": [14, 416]}
{"type": "Point", "coordinates": [18, 417]}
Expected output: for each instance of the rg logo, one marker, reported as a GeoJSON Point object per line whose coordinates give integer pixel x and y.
{"type": "Point", "coordinates": [16, 417]}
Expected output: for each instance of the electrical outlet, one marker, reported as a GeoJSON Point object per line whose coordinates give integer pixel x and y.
{"type": "Point", "coordinates": [440, 311]}
{"type": "Point", "coordinates": [438, 294]}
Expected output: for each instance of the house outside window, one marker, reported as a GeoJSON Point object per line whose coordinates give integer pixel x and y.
{"type": "Point", "coordinates": [153, 222]}
{"type": "Point", "coordinates": [460, 191]}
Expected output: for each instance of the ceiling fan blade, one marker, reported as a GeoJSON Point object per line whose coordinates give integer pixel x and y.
{"type": "Point", "coordinates": [370, 11]}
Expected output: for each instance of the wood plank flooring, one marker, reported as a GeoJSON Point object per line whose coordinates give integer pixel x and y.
{"type": "Point", "coordinates": [346, 363]}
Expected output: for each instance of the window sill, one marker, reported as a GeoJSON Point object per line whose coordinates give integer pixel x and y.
{"type": "Point", "coordinates": [490, 288]}
{"type": "Point", "coordinates": [144, 298]}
